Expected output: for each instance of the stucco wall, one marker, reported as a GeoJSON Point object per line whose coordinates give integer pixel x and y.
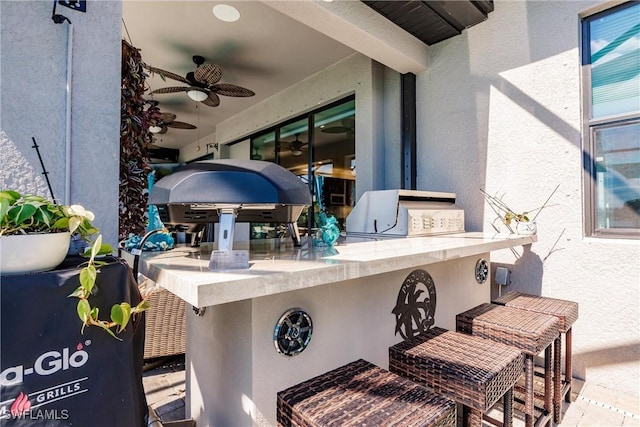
{"type": "Point", "coordinates": [34, 98]}
{"type": "Point", "coordinates": [500, 109]}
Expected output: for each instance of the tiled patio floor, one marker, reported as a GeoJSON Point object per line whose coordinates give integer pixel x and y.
{"type": "Point", "coordinates": [592, 406]}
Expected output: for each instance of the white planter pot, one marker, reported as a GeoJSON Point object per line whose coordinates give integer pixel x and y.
{"type": "Point", "coordinates": [32, 252]}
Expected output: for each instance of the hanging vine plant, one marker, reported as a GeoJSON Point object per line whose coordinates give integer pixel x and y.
{"type": "Point", "coordinates": [134, 141]}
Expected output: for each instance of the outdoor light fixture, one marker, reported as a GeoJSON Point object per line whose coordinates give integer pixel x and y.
{"type": "Point", "coordinates": [79, 5]}
{"type": "Point", "coordinates": [197, 95]}
{"type": "Point", "coordinates": [226, 13]}
{"type": "Point", "coordinates": [154, 129]}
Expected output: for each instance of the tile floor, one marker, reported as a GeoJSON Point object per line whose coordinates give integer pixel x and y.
{"type": "Point", "coordinates": [592, 406]}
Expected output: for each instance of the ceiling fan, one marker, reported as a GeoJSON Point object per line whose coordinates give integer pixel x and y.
{"type": "Point", "coordinates": [296, 146]}
{"type": "Point", "coordinates": [203, 83]}
{"type": "Point", "coordinates": [160, 122]}
{"type": "Point", "coordinates": [168, 120]}
{"type": "Point", "coordinates": [348, 126]}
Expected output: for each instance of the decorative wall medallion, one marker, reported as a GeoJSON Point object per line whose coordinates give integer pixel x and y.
{"type": "Point", "coordinates": [292, 332]}
{"type": "Point", "coordinates": [482, 270]}
{"type": "Point", "coordinates": [416, 305]}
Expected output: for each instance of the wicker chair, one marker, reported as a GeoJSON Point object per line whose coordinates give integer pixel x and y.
{"type": "Point", "coordinates": [475, 372]}
{"type": "Point", "coordinates": [529, 331]}
{"type": "Point", "coordinates": [567, 313]}
{"type": "Point", "coordinates": [165, 326]}
{"type": "Point", "coordinates": [360, 394]}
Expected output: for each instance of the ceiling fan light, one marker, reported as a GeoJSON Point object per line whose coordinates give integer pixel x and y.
{"type": "Point", "coordinates": [155, 129]}
{"type": "Point", "coordinates": [197, 95]}
{"type": "Point", "coordinates": [296, 152]}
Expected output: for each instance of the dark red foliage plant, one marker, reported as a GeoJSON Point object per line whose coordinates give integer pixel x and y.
{"type": "Point", "coordinates": [134, 141]}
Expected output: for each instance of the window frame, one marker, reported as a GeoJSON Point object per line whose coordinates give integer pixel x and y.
{"type": "Point", "coordinates": [591, 125]}
{"type": "Point", "coordinates": [309, 116]}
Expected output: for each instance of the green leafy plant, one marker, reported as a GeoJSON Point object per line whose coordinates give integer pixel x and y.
{"type": "Point", "coordinates": [509, 216]}
{"type": "Point", "coordinates": [120, 313]}
{"type": "Point", "coordinates": [28, 214]}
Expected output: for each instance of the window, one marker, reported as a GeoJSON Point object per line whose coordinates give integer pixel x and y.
{"type": "Point", "coordinates": [319, 147]}
{"type": "Point", "coordinates": [611, 70]}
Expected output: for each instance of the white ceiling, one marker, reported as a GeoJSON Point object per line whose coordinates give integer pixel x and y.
{"type": "Point", "coordinates": [264, 51]}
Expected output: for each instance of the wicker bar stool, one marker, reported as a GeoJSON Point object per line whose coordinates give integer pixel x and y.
{"type": "Point", "coordinates": [473, 371]}
{"type": "Point", "coordinates": [361, 393]}
{"type": "Point", "coordinates": [567, 313]}
{"type": "Point", "coordinates": [529, 331]}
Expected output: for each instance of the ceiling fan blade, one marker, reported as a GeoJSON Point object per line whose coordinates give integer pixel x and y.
{"type": "Point", "coordinates": [336, 129]}
{"type": "Point", "coordinates": [167, 74]}
{"type": "Point", "coordinates": [167, 117]}
{"type": "Point", "coordinates": [228, 89]}
{"type": "Point", "coordinates": [172, 89]}
{"type": "Point", "coordinates": [208, 73]}
{"type": "Point", "coordinates": [212, 101]}
{"type": "Point", "coordinates": [163, 130]}
{"type": "Point", "coordinates": [181, 125]}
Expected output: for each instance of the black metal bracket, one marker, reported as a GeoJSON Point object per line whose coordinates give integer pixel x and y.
{"type": "Point", "coordinates": [199, 311]}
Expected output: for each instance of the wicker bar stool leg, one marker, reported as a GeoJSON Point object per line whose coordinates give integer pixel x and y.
{"type": "Point", "coordinates": [548, 397]}
{"type": "Point", "coordinates": [529, 415]}
{"type": "Point", "coordinates": [557, 379]}
{"type": "Point", "coordinates": [567, 367]}
{"type": "Point", "coordinates": [507, 416]}
{"type": "Point", "coordinates": [471, 417]}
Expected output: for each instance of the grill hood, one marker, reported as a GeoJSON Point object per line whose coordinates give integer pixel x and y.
{"type": "Point", "coordinates": [230, 190]}
{"type": "Point", "coordinates": [259, 191]}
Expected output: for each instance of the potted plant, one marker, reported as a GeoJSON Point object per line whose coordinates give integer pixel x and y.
{"type": "Point", "coordinates": [29, 222]}
{"type": "Point", "coordinates": [523, 222]}
{"type": "Point", "coordinates": [35, 234]}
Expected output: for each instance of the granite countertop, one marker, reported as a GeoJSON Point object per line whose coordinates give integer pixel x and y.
{"type": "Point", "coordinates": [277, 266]}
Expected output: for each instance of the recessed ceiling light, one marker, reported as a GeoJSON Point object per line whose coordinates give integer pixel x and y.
{"type": "Point", "coordinates": [226, 13]}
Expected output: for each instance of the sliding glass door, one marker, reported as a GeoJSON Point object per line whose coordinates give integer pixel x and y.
{"type": "Point", "coordinates": [319, 147]}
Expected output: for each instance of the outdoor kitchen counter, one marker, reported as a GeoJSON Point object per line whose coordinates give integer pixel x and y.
{"type": "Point", "coordinates": [360, 297]}
{"type": "Point", "coordinates": [277, 266]}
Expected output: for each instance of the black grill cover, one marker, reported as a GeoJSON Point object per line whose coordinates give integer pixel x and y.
{"type": "Point", "coordinates": [231, 181]}
{"type": "Point", "coordinates": [52, 375]}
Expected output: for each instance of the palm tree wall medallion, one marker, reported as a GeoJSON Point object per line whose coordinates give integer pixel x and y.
{"type": "Point", "coordinates": [416, 305]}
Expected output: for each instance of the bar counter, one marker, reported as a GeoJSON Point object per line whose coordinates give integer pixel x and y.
{"type": "Point", "coordinates": [362, 296]}
{"type": "Point", "coordinates": [277, 266]}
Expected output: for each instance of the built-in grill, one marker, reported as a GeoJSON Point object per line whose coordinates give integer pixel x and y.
{"type": "Point", "coordinates": [230, 191]}
{"type": "Point", "coordinates": [405, 213]}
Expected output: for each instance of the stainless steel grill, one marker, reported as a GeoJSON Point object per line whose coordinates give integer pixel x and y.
{"type": "Point", "coordinates": [405, 213]}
